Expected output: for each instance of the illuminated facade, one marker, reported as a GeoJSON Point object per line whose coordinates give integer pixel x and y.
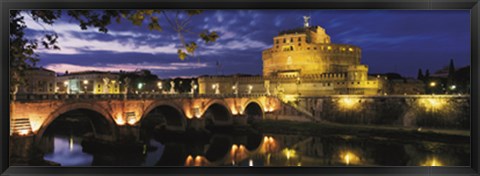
{"type": "Point", "coordinates": [304, 62]}
{"type": "Point", "coordinates": [91, 82]}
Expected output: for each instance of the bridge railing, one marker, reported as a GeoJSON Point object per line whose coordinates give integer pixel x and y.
{"type": "Point", "coordinates": [33, 97]}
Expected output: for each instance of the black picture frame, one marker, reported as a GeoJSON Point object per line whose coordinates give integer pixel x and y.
{"type": "Point", "coordinates": [472, 5]}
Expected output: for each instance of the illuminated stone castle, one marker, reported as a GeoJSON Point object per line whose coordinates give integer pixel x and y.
{"type": "Point", "coordinates": [304, 62]}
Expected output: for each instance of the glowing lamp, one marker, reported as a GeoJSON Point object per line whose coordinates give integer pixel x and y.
{"type": "Point", "coordinates": [120, 120]}
{"type": "Point", "coordinates": [21, 127]}
{"type": "Point", "coordinates": [349, 157]}
{"type": "Point", "coordinates": [189, 160]}
{"type": "Point", "coordinates": [196, 111]}
{"type": "Point", "coordinates": [432, 162]}
{"type": "Point", "coordinates": [131, 120]}
{"type": "Point", "coordinates": [289, 153]}
{"type": "Point", "coordinates": [348, 103]}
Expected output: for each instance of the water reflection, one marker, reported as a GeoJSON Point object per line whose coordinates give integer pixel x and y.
{"type": "Point", "coordinates": [432, 161]}
{"type": "Point", "coordinates": [271, 150]}
{"type": "Point", "coordinates": [67, 151]}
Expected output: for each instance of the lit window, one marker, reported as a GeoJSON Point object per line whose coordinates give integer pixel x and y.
{"type": "Point", "coordinates": [350, 49]}
{"type": "Point", "coordinates": [329, 48]}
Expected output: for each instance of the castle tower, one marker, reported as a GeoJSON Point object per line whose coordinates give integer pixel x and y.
{"type": "Point", "coordinates": [305, 51]}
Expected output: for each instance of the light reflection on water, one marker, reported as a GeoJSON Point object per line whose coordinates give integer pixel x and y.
{"type": "Point", "coordinates": [273, 150]}
{"type": "Point", "coordinates": [67, 151]}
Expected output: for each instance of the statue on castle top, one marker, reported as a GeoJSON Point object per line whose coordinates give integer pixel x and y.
{"type": "Point", "coordinates": [305, 21]}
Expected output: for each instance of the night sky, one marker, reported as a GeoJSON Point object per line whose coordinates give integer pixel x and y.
{"type": "Point", "coordinates": [399, 41]}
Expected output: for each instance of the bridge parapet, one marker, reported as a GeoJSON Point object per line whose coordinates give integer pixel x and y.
{"type": "Point", "coordinates": [34, 97]}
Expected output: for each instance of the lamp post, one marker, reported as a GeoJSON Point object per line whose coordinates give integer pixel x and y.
{"type": "Point", "coordinates": [194, 88]}
{"type": "Point", "coordinates": [85, 83]}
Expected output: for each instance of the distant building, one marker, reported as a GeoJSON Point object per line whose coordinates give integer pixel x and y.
{"type": "Point", "coordinates": [90, 82]}
{"type": "Point", "coordinates": [38, 81]}
{"type": "Point", "coordinates": [304, 62]}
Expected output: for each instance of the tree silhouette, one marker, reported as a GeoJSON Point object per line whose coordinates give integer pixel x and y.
{"type": "Point", "coordinates": [420, 74]}
{"type": "Point", "coordinates": [451, 74]}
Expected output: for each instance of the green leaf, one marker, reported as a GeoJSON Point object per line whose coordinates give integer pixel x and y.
{"type": "Point", "coordinates": [182, 55]}
{"type": "Point", "coordinates": [191, 47]}
{"type": "Point", "coordinates": [153, 25]}
{"type": "Point", "coordinates": [209, 36]}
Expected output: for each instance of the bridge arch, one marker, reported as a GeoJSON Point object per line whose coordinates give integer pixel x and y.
{"type": "Point", "coordinates": [254, 110]}
{"type": "Point", "coordinates": [168, 113]}
{"type": "Point", "coordinates": [92, 107]}
{"type": "Point", "coordinates": [216, 112]}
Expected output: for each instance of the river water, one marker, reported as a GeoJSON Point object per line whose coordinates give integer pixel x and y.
{"type": "Point", "coordinates": [224, 149]}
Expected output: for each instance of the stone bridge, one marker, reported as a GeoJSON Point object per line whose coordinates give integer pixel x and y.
{"type": "Point", "coordinates": [117, 110]}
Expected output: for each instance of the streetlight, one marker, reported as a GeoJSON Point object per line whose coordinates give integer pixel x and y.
{"type": "Point", "coordinates": [85, 82]}
{"type": "Point", "coordinates": [453, 87]}
{"type": "Point", "coordinates": [433, 84]}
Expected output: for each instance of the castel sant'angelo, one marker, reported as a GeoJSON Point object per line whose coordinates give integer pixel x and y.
{"type": "Point", "coordinates": [304, 62]}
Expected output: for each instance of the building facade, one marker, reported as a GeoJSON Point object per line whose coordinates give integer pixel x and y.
{"type": "Point", "coordinates": [303, 62]}
{"type": "Point", "coordinates": [90, 82]}
{"type": "Point", "coordinates": [38, 81]}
